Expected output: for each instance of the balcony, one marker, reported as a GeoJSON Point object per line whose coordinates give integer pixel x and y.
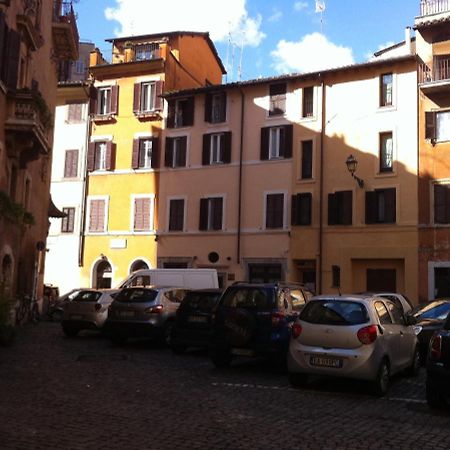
{"type": "Point", "coordinates": [436, 78]}
{"type": "Point", "coordinates": [28, 123]}
{"type": "Point", "coordinates": [429, 7]}
{"type": "Point", "coordinates": [65, 31]}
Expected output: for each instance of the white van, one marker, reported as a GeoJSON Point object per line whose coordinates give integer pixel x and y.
{"type": "Point", "coordinates": [188, 278]}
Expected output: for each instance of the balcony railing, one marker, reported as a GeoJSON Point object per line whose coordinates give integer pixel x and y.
{"type": "Point", "coordinates": [439, 72]}
{"type": "Point", "coordinates": [64, 18]}
{"type": "Point", "coordinates": [428, 7]}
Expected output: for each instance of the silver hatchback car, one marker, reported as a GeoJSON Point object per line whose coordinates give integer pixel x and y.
{"type": "Point", "coordinates": [87, 310]}
{"type": "Point", "coordinates": [354, 336]}
{"type": "Point", "coordinates": [144, 312]}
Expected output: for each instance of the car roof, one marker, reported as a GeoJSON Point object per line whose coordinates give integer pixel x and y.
{"type": "Point", "coordinates": [206, 291]}
{"type": "Point", "coordinates": [152, 287]}
{"type": "Point", "coordinates": [267, 285]}
{"type": "Point", "coordinates": [367, 298]}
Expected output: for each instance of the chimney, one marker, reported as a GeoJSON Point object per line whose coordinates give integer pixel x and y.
{"type": "Point", "coordinates": [408, 40]}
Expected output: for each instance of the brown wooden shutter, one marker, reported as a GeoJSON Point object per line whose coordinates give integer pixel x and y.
{"type": "Point", "coordinates": [168, 154]}
{"type": "Point", "coordinates": [265, 133]}
{"type": "Point", "coordinates": [13, 57]}
{"type": "Point", "coordinates": [114, 100]}
{"type": "Point", "coordinates": [208, 108]}
{"type": "Point", "coordinates": [346, 209]}
{"type": "Point", "coordinates": [71, 164]}
{"type": "Point", "coordinates": [390, 201]}
{"type": "Point", "coordinates": [332, 209]}
{"type": "Point", "coordinates": [67, 164]}
{"type": "Point", "coordinates": [430, 125]}
{"type": "Point", "coordinates": [287, 144]}
{"type": "Point", "coordinates": [93, 100]}
{"type": "Point", "coordinates": [110, 161]}
{"type": "Point", "coordinates": [176, 215]}
{"type": "Point", "coordinates": [156, 152]}
{"type": "Point", "coordinates": [137, 98]}
{"type": "Point", "coordinates": [135, 154]}
{"type": "Point", "coordinates": [226, 142]}
{"type": "Point", "coordinates": [371, 207]}
{"type": "Point", "coordinates": [3, 31]}
{"type": "Point", "coordinates": [97, 215]}
{"type": "Point", "coordinates": [141, 214]}
{"type": "Point", "coordinates": [206, 149]}
{"type": "Point", "coordinates": [188, 117]}
{"type": "Point", "coordinates": [217, 213]}
{"type": "Point", "coordinates": [159, 101]}
{"type": "Point", "coordinates": [91, 157]}
{"type": "Point", "coordinates": [305, 208]}
{"type": "Point", "coordinates": [203, 225]}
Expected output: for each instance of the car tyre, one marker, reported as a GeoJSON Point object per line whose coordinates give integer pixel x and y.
{"type": "Point", "coordinates": [70, 331]}
{"type": "Point", "coordinates": [298, 380]}
{"type": "Point", "coordinates": [414, 368]}
{"type": "Point", "coordinates": [381, 383]}
{"type": "Point", "coordinates": [435, 399]}
{"type": "Point", "coordinates": [221, 359]}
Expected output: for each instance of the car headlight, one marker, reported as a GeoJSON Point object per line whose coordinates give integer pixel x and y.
{"type": "Point", "coordinates": [417, 329]}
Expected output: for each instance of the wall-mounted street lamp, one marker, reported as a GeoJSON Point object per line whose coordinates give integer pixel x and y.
{"type": "Point", "coordinates": [352, 164]}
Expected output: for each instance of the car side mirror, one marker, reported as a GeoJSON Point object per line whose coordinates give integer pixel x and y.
{"type": "Point", "coordinates": [410, 320]}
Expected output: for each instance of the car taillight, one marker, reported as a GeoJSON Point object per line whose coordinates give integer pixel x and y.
{"type": "Point", "coordinates": [277, 318]}
{"type": "Point", "coordinates": [367, 335]}
{"type": "Point", "coordinates": [154, 309]}
{"type": "Point", "coordinates": [98, 306]}
{"type": "Point", "coordinates": [435, 347]}
{"type": "Point", "coordinates": [296, 330]}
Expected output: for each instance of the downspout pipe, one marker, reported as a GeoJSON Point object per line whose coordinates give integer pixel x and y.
{"type": "Point", "coordinates": [322, 149]}
{"type": "Point", "coordinates": [241, 152]}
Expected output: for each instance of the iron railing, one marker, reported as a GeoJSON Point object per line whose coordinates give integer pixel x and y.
{"type": "Point", "coordinates": [63, 13]}
{"type": "Point", "coordinates": [439, 72]}
{"type": "Point", "coordinates": [428, 7]}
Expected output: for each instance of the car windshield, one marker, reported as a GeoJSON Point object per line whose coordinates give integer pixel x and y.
{"type": "Point", "coordinates": [200, 301]}
{"type": "Point", "coordinates": [87, 296]}
{"type": "Point", "coordinates": [248, 297]}
{"type": "Point", "coordinates": [435, 310]}
{"type": "Point", "coordinates": [137, 295]}
{"type": "Point", "coordinates": [334, 312]}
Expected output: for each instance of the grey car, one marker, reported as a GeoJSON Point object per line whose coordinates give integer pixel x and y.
{"type": "Point", "coordinates": [354, 336]}
{"type": "Point", "coordinates": [87, 310]}
{"type": "Point", "coordinates": [139, 312]}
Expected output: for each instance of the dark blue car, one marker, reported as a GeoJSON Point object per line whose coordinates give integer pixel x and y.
{"type": "Point", "coordinates": [255, 320]}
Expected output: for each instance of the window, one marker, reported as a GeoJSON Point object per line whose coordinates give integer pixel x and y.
{"type": "Point", "coordinates": [396, 312]}
{"type": "Point", "coordinates": [340, 208]}
{"type": "Point", "coordinates": [308, 102]}
{"type": "Point", "coordinates": [143, 212]}
{"type": "Point", "coordinates": [386, 152]}
{"type": "Point", "coordinates": [211, 213]}
{"type": "Point", "coordinates": [336, 276]}
{"type": "Point", "coordinates": [71, 164]}
{"type": "Point", "coordinates": [216, 148]}
{"type": "Point", "coordinates": [216, 107]}
{"type": "Point", "coordinates": [101, 155]}
{"type": "Point", "coordinates": [386, 89]}
{"type": "Point", "coordinates": [146, 52]}
{"type": "Point", "coordinates": [381, 206]}
{"type": "Point", "coordinates": [301, 209]}
{"type": "Point", "coordinates": [147, 97]}
{"type": "Point", "coordinates": [74, 112]}
{"type": "Point", "coordinates": [67, 223]}
{"type": "Point", "coordinates": [181, 113]}
{"type": "Point", "coordinates": [104, 101]}
{"type": "Point", "coordinates": [306, 160]}
{"type": "Point", "coordinates": [176, 215]}
{"type": "Point", "coordinates": [145, 153]}
{"type": "Point", "coordinates": [276, 142]}
{"type": "Point", "coordinates": [80, 67]}
{"type": "Point", "coordinates": [385, 318]}
{"type": "Point", "coordinates": [97, 215]}
{"type": "Point", "coordinates": [175, 155]}
{"type": "Point", "coordinates": [442, 203]}
{"type": "Point", "coordinates": [274, 211]}
{"type": "Point", "coordinates": [277, 99]}
{"type": "Point", "coordinates": [437, 125]}
{"type": "Point", "coordinates": [265, 273]}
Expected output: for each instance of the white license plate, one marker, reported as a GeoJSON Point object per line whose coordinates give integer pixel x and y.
{"type": "Point", "coordinates": [197, 319]}
{"type": "Point", "coordinates": [324, 361]}
{"type": "Point", "coordinates": [76, 317]}
{"type": "Point", "coordinates": [242, 352]}
{"type": "Point", "coordinates": [125, 313]}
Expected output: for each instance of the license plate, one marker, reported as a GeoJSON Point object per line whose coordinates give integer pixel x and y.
{"type": "Point", "coordinates": [197, 319]}
{"type": "Point", "coordinates": [76, 317]}
{"type": "Point", "coordinates": [325, 361]}
{"type": "Point", "coordinates": [242, 352]}
{"type": "Point", "coordinates": [125, 313]}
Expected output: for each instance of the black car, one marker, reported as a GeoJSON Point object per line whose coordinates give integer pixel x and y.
{"type": "Point", "coordinates": [193, 321]}
{"type": "Point", "coordinates": [438, 368]}
{"type": "Point", "coordinates": [429, 318]}
{"type": "Point", "coordinates": [256, 320]}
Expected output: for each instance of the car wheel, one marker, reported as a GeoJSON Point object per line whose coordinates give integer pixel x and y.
{"type": "Point", "coordinates": [221, 359]}
{"type": "Point", "coordinates": [70, 331]}
{"type": "Point", "coordinates": [298, 380]}
{"type": "Point", "coordinates": [414, 368]}
{"type": "Point", "coordinates": [381, 383]}
{"type": "Point", "coordinates": [435, 399]}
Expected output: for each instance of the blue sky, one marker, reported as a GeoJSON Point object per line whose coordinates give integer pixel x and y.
{"type": "Point", "coordinates": [276, 37]}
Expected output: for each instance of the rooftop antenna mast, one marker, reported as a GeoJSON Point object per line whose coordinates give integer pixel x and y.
{"type": "Point", "coordinates": [240, 60]}
{"type": "Point", "coordinates": [320, 8]}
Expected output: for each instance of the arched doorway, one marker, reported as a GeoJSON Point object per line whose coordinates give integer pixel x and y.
{"type": "Point", "coordinates": [103, 275]}
{"type": "Point", "coordinates": [138, 265]}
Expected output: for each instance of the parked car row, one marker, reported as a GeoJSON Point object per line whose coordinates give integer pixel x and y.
{"type": "Point", "coordinates": [369, 336]}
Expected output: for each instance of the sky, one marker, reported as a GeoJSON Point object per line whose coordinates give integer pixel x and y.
{"type": "Point", "coordinates": [259, 38]}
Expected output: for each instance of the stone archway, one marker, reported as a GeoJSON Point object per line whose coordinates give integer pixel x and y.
{"type": "Point", "coordinates": [138, 265]}
{"type": "Point", "coordinates": [103, 275]}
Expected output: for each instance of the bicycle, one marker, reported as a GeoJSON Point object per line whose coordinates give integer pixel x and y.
{"type": "Point", "coordinates": [27, 310]}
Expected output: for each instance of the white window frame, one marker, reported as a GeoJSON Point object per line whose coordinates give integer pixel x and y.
{"type": "Point", "coordinates": [100, 148]}
{"type": "Point", "coordinates": [274, 142]}
{"type": "Point", "coordinates": [176, 149]}
{"type": "Point", "coordinates": [151, 229]}
{"type": "Point", "coordinates": [145, 141]}
{"type": "Point", "coordinates": [88, 213]}
{"type": "Point", "coordinates": [446, 132]}
{"type": "Point", "coordinates": [264, 218]}
{"type": "Point", "coordinates": [148, 96]}
{"type": "Point", "coordinates": [104, 100]}
{"type": "Point", "coordinates": [210, 216]}
{"type": "Point", "coordinates": [215, 149]}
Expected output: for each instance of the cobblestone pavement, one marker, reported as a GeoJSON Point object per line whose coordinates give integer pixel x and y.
{"type": "Point", "coordinates": [83, 393]}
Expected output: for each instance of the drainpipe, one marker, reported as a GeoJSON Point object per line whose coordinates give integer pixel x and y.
{"type": "Point", "coordinates": [241, 151]}
{"type": "Point", "coordinates": [322, 137]}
